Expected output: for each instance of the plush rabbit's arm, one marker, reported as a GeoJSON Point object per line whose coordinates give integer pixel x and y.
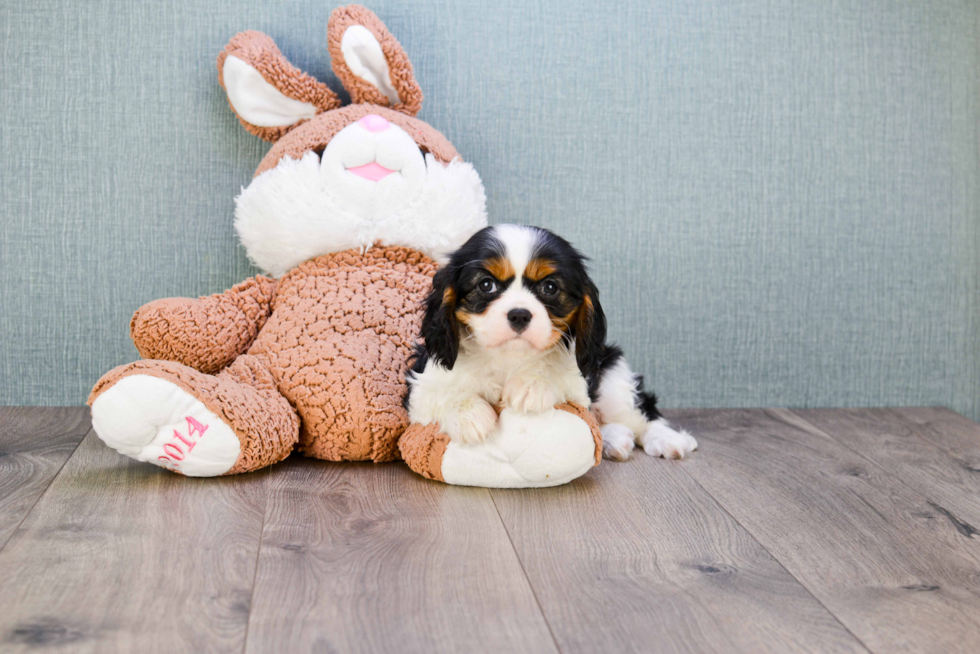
{"type": "Point", "coordinates": [207, 333]}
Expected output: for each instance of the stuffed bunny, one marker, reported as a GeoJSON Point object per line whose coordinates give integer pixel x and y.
{"type": "Point", "coordinates": [349, 213]}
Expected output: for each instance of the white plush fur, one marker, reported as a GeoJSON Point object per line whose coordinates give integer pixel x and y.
{"type": "Point", "coordinates": [302, 209]}
{"type": "Point", "coordinates": [259, 102]}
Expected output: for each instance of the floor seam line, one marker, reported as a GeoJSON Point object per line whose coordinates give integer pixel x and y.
{"type": "Point", "coordinates": [41, 495]}
{"type": "Point", "coordinates": [870, 459]}
{"type": "Point", "coordinates": [258, 558]}
{"type": "Point", "coordinates": [867, 458]}
{"type": "Point", "coordinates": [530, 585]}
{"type": "Point", "coordinates": [778, 562]}
{"type": "Point", "coordinates": [899, 412]}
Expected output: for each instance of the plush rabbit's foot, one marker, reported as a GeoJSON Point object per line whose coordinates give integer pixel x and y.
{"type": "Point", "coordinates": [523, 451]}
{"type": "Point", "coordinates": [154, 420]}
{"type": "Point", "coordinates": [173, 416]}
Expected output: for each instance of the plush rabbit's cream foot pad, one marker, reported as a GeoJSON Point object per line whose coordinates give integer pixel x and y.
{"type": "Point", "coordinates": [524, 451]}
{"type": "Point", "coordinates": [153, 420]}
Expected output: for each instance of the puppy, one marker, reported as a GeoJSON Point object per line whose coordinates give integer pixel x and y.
{"type": "Point", "coordinates": [513, 319]}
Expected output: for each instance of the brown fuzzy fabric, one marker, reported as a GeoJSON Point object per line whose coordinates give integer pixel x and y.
{"type": "Point", "coordinates": [329, 362]}
{"type": "Point", "coordinates": [261, 52]}
{"type": "Point", "coordinates": [326, 368]}
{"type": "Point", "coordinates": [244, 396]}
{"type": "Point", "coordinates": [205, 334]}
{"type": "Point", "coordinates": [591, 421]}
{"type": "Point", "coordinates": [422, 447]}
{"type": "Point", "coordinates": [342, 328]}
{"type": "Point", "coordinates": [315, 134]}
{"type": "Point", "coordinates": [399, 67]}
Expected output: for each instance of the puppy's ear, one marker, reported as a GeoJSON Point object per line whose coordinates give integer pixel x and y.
{"type": "Point", "coordinates": [439, 327]}
{"type": "Point", "coordinates": [590, 332]}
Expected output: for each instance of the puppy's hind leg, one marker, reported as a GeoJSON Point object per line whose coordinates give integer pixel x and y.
{"type": "Point", "coordinates": [616, 405]}
{"type": "Point", "coordinates": [659, 438]}
{"type": "Point", "coordinates": [626, 408]}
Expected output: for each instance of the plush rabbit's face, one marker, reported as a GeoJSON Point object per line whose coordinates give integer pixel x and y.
{"type": "Point", "coordinates": [339, 178]}
{"type": "Point", "coordinates": [373, 167]}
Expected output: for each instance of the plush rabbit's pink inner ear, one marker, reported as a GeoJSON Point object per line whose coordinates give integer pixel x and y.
{"type": "Point", "coordinates": [258, 102]}
{"type": "Point", "coordinates": [268, 94]}
{"type": "Point", "coordinates": [370, 62]}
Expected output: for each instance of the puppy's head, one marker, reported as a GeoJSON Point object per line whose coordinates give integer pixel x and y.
{"type": "Point", "coordinates": [516, 288]}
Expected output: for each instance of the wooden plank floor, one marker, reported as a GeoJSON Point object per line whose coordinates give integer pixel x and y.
{"type": "Point", "coordinates": [788, 531]}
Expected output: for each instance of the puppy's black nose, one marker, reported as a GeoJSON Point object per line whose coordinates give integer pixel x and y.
{"type": "Point", "coordinates": [519, 319]}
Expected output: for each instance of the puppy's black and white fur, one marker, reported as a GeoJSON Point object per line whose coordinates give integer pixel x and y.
{"type": "Point", "coordinates": [514, 319]}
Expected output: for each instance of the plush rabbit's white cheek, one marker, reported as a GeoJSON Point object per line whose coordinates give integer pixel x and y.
{"type": "Point", "coordinates": [373, 167]}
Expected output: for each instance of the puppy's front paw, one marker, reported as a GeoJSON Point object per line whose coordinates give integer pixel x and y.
{"type": "Point", "coordinates": [617, 442]}
{"type": "Point", "coordinates": [471, 423]}
{"type": "Point", "coordinates": [661, 440]}
{"type": "Point", "coordinates": [529, 394]}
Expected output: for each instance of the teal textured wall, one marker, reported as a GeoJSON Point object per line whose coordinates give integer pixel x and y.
{"type": "Point", "coordinates": [780, 196]}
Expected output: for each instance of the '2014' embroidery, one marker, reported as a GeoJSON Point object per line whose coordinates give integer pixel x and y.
{"type": "Point", "coordinates": [176, 453]}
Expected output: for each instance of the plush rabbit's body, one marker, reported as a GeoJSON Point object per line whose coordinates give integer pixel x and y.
{"type": "Point", "coordinates": [349, 213]}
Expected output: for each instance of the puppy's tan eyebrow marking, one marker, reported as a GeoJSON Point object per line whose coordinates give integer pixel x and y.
{"type": "Point", "coordinates": [449, 297]}
{"type": "Point", "coordinates": [538, 269]}
{"type": "Point", "coordinates": [500, 268]}
{"type": "Point", "coordinates": [565, 322]}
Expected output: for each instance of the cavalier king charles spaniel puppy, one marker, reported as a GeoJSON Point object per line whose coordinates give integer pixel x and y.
{"type": "Point", "coordinates": [513, 320]}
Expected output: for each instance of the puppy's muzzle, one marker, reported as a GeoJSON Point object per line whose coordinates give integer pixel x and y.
{"type": "Point", "coordinates": [519, 319]}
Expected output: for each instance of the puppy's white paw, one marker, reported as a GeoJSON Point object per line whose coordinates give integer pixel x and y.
{"type": "Point", "coordinates": [471, 422]}
{"type": "Point", "coordinates": [661, 440]}
{"type": "Point", "coordinates": [529, 394]}
{"type": "Point", "coordinates": [617, 442]}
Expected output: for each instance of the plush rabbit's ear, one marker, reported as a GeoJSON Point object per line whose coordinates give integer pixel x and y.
{"type": "Point", "coordinates": [370, 62]}
{"type": "Point", "coordinates": [267, 93]}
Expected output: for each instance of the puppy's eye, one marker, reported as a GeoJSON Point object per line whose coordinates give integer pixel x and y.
{"type": "Point", "coordinates": [548, 287]}
{"type": "Point", "coordinates": [487, 285]}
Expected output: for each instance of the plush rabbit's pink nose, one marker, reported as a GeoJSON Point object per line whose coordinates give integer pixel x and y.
{"type": "Point", "coordinates": [373, 123]}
